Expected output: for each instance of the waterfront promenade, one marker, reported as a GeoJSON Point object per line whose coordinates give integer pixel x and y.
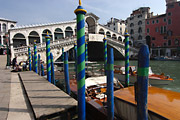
{"type": "Point", "coordinates": [28, 96]}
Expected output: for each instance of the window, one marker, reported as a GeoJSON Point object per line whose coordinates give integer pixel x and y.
{"type": "Point", "coordinates": [140, 23]}
{"type": "Point", "coordinates": [147, 22]}
{"type": "Point", "coordinates": [170, 6]}
{"type": "Point", "coordinates": [153, 45]}
{"type": "Point", "coordinates": [114, 24]}
{"type": "Point", "coordinates": [147, 30]}
{"type": "Point", "coordinates": [169, 21]}
{"type": "Point", "coordinates": [169, 14]}
{"type": "Point", "coordinates": [153, 22]}
{"type": "Point", "coordinates": [108, 25]}
{"type": "Point", "coordinates": [169, 42]}
{"type": "Point", "coordinates": [157, 21]}
{"type": "Point", "coordinates": [0, 27]}
{"type": "Point", "coordinates": [131, 18]}
{"type": "Point", "coordinates": [139, 16]}
{"type": "Point", "coordinates": [179, 4]}
{"type": "Point", "coordinates": [157, 29]}
{"type": "Point", "coordinates": [164, 19]}
{"type": "Point", "coordinates": [114, 28]}
{"type": "Point", "coordinates": [169, 32]}
{"type": "Point", "coordinates": [131, 25]}
{"type": "Point", "coordinates": [165, 29]}
{"type": "Point", "coordinates": [165, 37]}
{"type": "Point", "coordinates": [176, 42]}
{"type": "Point", "coordinates": [140, 30]}
{"type": "Point", "coordinates": [161, 29]}
{"type": "Point", "coordinates": [139, 37]}
{"type": "Point", "coordinates": [132, 31]}
{"type": "Point", "coordinates": [4, 28]}
{"type": "Point", "coordinates": [164, 44]}
{"type": "Point", "coordinates": [153, 38]}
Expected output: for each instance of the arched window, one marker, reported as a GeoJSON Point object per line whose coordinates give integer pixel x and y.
{"type": "Point", "coordinates": [12, 26]}
{"type": "Point", "coordinates": [33, 35]}
{"type": "Point", "coordinates": [108, 34]}
{"type": "Point", "coordinates": [68, 32]}
{"type": "Point", "coordinates": [119, 38]}
{"type": "Point", "coordinates": [45, 33]}
{"type": "Point", "coordinates": [131, 25]}
{"type": "Point", "coordinates": [140, 30]}
{"type": "Point", "coordinates": [19, 40]}
{"type": "Point", "coordinates": [139, 37]}
{"type": "Point", "coordinates": [131, 31]}
{"type": "Point", "coordinates": [4, 28]}
{"type": "Point", "coordinates": [114, 36]}
{"type": "Point", "coordinates": [101, 31]}
{"type": "Point", "coordinates": [0, 27]}
{"type": "Point", "coordinates": [58, 34]}
{"type": "Point", "coordinates": [140, 22]}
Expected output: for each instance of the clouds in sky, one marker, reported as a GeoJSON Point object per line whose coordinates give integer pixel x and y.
{"type": "Point", "coordinates": [43, 11]}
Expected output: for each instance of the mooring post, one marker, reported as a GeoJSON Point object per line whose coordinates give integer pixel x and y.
{"type": "Point", "coordinates": [52, 70]}
{"type": "Point", "coordinates": [35, 57]}
{"type": "Point", "coordinates": [42, 70]}
{"type": "Point", "coordinates": [33, 62]}
{"type": "Point", "coordinates": [126, 59]}
{"type": "Point", "coordinates": [29, 57]}
{"type": "Point", "coordinates": [62, 58]}
{"type": "Point", "coordinates": [110, 84]}
{"type": "Point", "coordinates": [142, 83]}
{"type": "Point", "coordinates": [39, 64]}
{"type": "Point", "coordinates": [105, 55]}
{"type": "Point", "coordinates": [75, 58]}
{"type": "Point", "coordinates": [86, 54]}
{"type": "Point", "coordinates": [48, 59]}
{"type": "Point", "coordinates": [66, 72]}
{"type": "Point", "coordinates": [80, 12]}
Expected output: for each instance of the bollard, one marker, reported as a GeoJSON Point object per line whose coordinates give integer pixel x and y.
{"type": "Point", "coordinates": [86, 54]}
{"type": "Point", "coordinates": [52, 70]}
{"type": "Point", "coordinates": [32, 62]}
{"type": "Point", "coordinates": [29, 54]}
{"type": "Point", "coordinates": [105, 55]}
{"type": "Point", "coordinates": [126, 59]}
{"type": "Point", "coordinates": [110, 84]}
{"type": "Point", "coordinates": [48, 59]}
{"type": "Point", "coordinates": [39, 64]}
{"type": "Point", "coordinates": [35, 57]}
{"type": "Point", "coordinates": [42, 70]}
{"type": "Point", "coordinates": [142, 83]}
{"type": "Point", "coordinates": [75, 59]}
{"type": "Point", "coordinates": [66, 73]}
{"type": "Point", "coordinates": [62, 58]}
{"type": "Point", "coordinates": [80, 12]}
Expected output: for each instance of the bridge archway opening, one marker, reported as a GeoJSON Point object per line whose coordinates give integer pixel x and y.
{"type": "Point", "coordinates": [33, 35]}
{"type": "Point", "coordinates": [19, 40]}
{"type": "Point", "coordinates": [119, 38]}
{"type": "Point", "coordinates": [108, 34]}
{"type": "Point", "coordinates": [101, 31]}
{"type": "Point", "coordinates": [45, 33]}
{"type": "Point", "coordinates": [68, 32]}
{"type": "Point", "coordinates": [91, 25]}
{"type": "Point", "coordinates": [114, 36]}
{"type": "Point", "coordinates": [58, 34]}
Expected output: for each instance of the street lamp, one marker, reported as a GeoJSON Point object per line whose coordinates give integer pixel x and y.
{"type": "Point", "coordinates": [7, 44]}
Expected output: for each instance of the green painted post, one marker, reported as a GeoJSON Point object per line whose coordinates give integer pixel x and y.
{"type": "Point", "coordinates": [105, 55]}
{"type": "Point", "coordinates": [48, 59]}
{"type": "Point", "coordinates": [29, 54]}
{"type": "Point", "coordinates": [35, 57]}
{"type": "Point", "coordinates": [126, 58]}
{"type": "Point", "coordinates": [86, 54]}
{"type": "Point", "coordinates": [80, 12]}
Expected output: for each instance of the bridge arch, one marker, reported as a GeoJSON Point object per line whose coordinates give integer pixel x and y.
{"type": "Point", "coordinates": [101, 31]}
{"type": "Point", "coordinates": [68, 32]}
{"type": "Point", "coordinates": [119, 38]}
{"type": "Point", "coordinates": [58, 34]}
{"type": "Point", "coordinates": [108, 34]}
{"type": "Point", "coordinates": [114, 36]}
{"type": "Point", "coordinates": [44, 33]}
{"type": "Point", "coordinates": [19, 40]}
{"type": "Point", "coordinates": [91, 22]}
{"type": "Point", "coordinates": [33, 35]}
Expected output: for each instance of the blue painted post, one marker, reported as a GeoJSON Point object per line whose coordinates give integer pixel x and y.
{"type": "Point", "coordinates": [142, 83]}
{"type": "Point", "coordinates": [75, 59]}
{"type": "Point", "coordinates": [42, 70]}
{"type": "Point", "coordinates": [105, 55]}
{"type": "Point", "coordinates": [32, 62]}
{"type": "Point", "coordinates": [126, 58]}
{"type": "Point", "coordinates": [86, 54]}
{"type": "Point", "coordinates": [80, 12]}
{"type": "Point", "coordinates": [62, 58]}
{"type": "Point", "coordinates": [39, 64]}
{"type": "Point", "coordinates": [66, 73]}
{"type": "Point", "coordinates": [35, 57]}
{"type": "Point", "coordinates": [110, 84]}
{"type": "Point", "coordinates": [29, 54]}
{"type": "Point", "coordinates": [52, 70]}
{"type": "Point", "coordinates": [48, 59]}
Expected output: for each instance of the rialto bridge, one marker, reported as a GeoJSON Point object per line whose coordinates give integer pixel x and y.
{"type": "Point", "coordinates": [63, 34]}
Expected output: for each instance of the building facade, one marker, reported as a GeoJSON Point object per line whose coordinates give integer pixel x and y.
{"type": "Point", "coordinates": [164, 31]}
{"type": "Point", "coordinates": [5, 25]}
{"type": "Point", "coordinates": [136, 25]}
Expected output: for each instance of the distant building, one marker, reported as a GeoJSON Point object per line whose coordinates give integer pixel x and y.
{"type": "Point", "coordinates": [117, 25]}
{"type": "Point", "coordinates": [5, 25]}
{"type": "Point", "coordinates": [164, 31]}
{"type": "Point", "coordinates": [136, 25]}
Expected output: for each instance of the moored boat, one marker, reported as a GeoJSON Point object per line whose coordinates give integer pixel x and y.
{"type": "Point", "coordinates": [154, 79]}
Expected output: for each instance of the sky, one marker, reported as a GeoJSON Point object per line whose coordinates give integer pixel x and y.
{"type": "Point", "coordinates": [27, 12]}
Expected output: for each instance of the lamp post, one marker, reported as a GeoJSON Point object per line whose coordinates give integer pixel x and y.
{"type": "Point", "coordinates": [7, 43]}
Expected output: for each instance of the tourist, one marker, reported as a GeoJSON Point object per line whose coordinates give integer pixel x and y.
{"type": "Point", "coordinates": [14, 62]}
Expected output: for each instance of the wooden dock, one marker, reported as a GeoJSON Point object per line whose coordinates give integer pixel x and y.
{"type": "Point", "coordinates": [163, 104]}
{"type": "Point", "coordinates": [47, 101]}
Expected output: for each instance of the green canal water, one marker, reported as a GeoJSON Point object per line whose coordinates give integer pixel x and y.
{"type": "Point", "coordinates": [171, 68]}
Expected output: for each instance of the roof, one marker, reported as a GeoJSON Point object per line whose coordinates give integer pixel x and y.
{"type": "Point", "coordinates": [157, 16]}
{"type": "Point", "coordinates": [92, 14]}
{"type": "Point", "coordinates": [4, 19]}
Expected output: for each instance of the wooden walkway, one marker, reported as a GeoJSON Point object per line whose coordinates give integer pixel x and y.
{"type": "Point", "coordinates": [47, 101]}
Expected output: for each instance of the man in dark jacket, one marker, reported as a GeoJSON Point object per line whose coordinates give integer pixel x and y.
{"type": "Point", "coordinates": [14, 62]}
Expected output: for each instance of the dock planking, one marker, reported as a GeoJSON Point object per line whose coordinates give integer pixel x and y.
{"type": "Point", "coordinates": [163, 102]}
{"type": "Point", "coordinates": [47, 100]}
